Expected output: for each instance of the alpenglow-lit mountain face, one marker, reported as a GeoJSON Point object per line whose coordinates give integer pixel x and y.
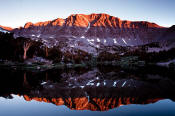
{"type": "Point", "coordinates": [94, 29]}
{"type": "Point", "coordinates": [3, 30]}
{"type": "Point", "coordinates": [81, 37]}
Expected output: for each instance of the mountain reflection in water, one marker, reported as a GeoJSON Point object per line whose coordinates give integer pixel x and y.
{"type": "Point", "coordinates": [97, 89]}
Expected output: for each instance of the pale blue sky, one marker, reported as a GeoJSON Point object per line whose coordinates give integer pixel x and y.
{"type": "Point", "coordinates": [16, 13]}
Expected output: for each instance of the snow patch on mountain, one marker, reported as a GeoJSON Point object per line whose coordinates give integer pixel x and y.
{"type": "Point", "coordinates": [98, 40]}
{"type": "Point", "coordinates": [82, 37]}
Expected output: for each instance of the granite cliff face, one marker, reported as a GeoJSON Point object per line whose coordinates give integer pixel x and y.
{"type": "Point", "coordinates": [96, 28]}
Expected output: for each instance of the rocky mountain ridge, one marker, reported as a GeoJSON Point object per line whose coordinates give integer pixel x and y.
{"type": "Point", "coordinates": [96, 28]}
{"type": "Point", "coordinates": [86, 36]}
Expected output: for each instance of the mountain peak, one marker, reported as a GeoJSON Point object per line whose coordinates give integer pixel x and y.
{"type": "Point", "coordinates": [93, 20]}
{"type": "Point", "coordinates": [28, 24]}
{"type": "Point", "coordinates": [6, 28]}
{"type": "Point", "coordinates": [58, 22]}
{"type": "Point", "coordinates": [94, 26]}
{"type": "Point", "coordinates": [79, 20]}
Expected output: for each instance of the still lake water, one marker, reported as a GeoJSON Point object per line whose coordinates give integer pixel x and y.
{"type": "Point", "coordinates": [97, 91]}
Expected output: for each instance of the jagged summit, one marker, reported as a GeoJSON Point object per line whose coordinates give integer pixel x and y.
{"type": "Point", "coordinates": [104, 20]}
{"type": "Point", "coordinates": [5, 29]}
{"type": "Point", "coordinates": [88, 32]}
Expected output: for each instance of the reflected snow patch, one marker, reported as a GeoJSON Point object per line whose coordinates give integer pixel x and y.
{"type": "Point", "coordinates": [124, 41]}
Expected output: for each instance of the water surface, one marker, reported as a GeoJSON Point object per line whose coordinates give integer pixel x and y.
{"type": "Point", "coordinates": [87, 91]}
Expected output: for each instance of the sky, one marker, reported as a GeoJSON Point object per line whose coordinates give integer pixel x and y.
{"type": "Point", "coordinates": [16, 13]}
